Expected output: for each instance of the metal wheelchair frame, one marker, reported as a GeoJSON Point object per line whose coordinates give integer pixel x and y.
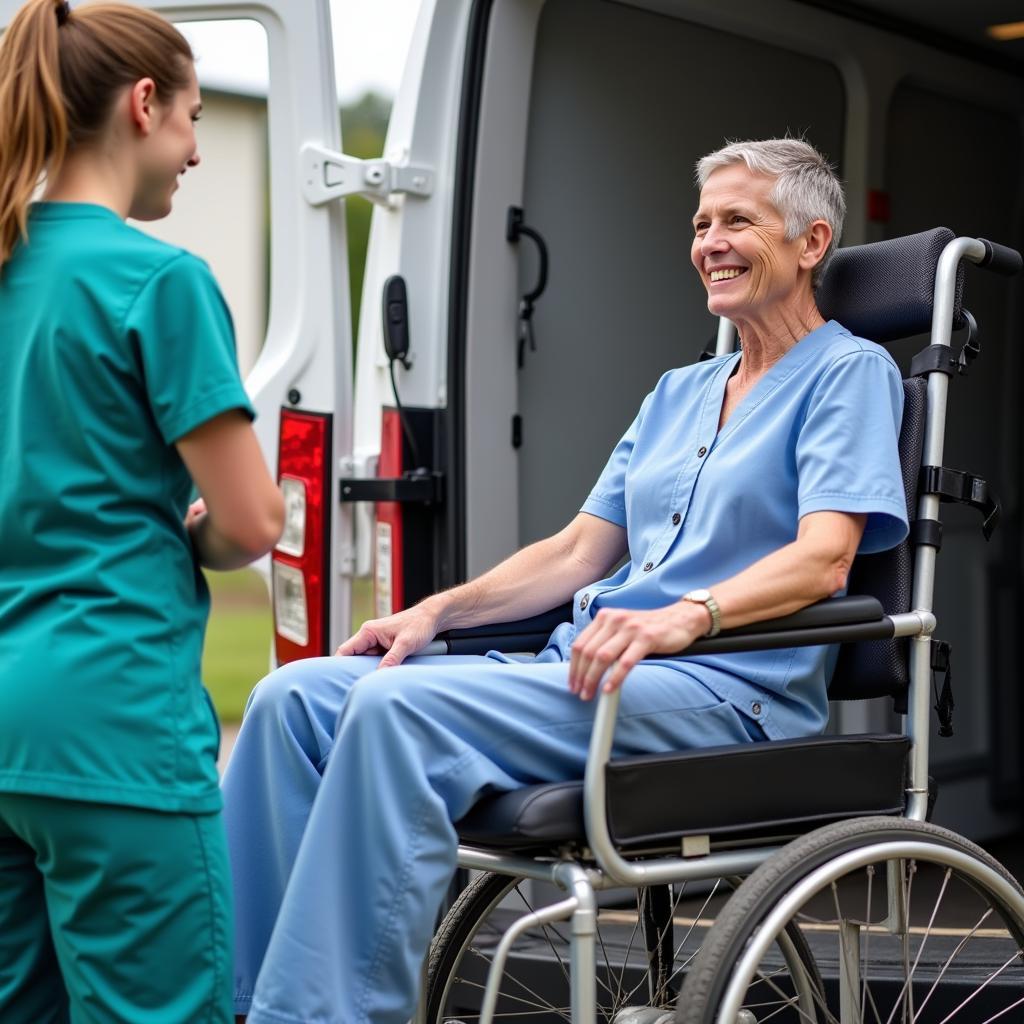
{"type": "Point", "coordinates": [581, 879]}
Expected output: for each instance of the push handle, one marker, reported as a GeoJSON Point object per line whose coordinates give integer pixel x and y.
{"type": "Point", "coordinates": [1001, 258]}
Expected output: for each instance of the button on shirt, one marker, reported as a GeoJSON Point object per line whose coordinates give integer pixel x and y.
{"type": "Point", "coordinates": [818, 432]}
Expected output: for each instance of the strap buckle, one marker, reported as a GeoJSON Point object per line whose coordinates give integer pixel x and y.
{"type": "Point", "coordinates": [964, 489]}
{"type": "Point", "coordinates": [944, 703]}
{"type": "Point", "coordinates": [940, 358]}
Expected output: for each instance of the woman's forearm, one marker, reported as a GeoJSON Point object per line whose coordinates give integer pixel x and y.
{"type": "Point", "coordinates": [813, 567]}
{"type": "Point", "coordinates": [536, 578]}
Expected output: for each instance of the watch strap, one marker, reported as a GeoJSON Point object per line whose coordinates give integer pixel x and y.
{"type": "Point", "coordinates": [705, 598]}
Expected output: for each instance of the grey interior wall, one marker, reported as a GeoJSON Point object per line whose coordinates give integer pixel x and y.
{"type": "Point", "coordinates": [623, 103]}
{"type": "Point", "coordinates": [955, 163]}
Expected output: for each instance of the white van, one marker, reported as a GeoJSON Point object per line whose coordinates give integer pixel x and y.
{"type": "Point", "coordinates": [572, 127]}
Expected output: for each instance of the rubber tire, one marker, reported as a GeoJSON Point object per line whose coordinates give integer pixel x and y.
{"type": "Point", "coordinates": [458, 926]}
{"type": "Point", "coordinates": [475, 902]}
{"type": "Point", "coordinates": [767, 886]}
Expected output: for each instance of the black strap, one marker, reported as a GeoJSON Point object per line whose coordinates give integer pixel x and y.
{"type": "Point", "coordinates": [964, 489]}
{"type": "Point", "coordinates": [940, 358]}
{"type": "Point", "coordinates": [931, 359]}
{"type": "Point", "coordinates": [944, 703]}
{"type": "Point", "coordinates": [926, 531]}
{"type": "Point", "coordinates": [972, 347]}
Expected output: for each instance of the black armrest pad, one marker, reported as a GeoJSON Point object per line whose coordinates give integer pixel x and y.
{"type": "Point", "coordinates": [833, 611]}
{"type": "Point", "coordinates": [845, 615]}
{"type": "Point", "coordinates": [543, 623]}
{"type": "Point", "coordinates": [834, 620]}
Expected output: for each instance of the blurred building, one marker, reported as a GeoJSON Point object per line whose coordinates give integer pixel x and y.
{"type": "Point", "coordinates": [221, 210]}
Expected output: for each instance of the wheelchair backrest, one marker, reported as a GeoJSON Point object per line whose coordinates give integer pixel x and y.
{"type": "Point", "coordinates": [880, 668]}
{"type": "Point", "coordinates": [884, 291]}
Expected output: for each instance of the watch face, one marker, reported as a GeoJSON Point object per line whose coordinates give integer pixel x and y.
{"type": "Point", "coordinates": [698, 595]}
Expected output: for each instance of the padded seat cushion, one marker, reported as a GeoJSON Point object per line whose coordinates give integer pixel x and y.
{"type": "Point", "coordinates": [781, 785]}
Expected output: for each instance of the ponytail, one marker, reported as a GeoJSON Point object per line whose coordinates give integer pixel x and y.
{"type": "Point", "coordinates": [60, 73]}
{"type": "Point", "coordinates": [33, 125]}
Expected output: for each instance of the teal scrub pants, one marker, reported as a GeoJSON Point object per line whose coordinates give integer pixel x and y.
{"type": "Point", "coordinates": [112, 914]}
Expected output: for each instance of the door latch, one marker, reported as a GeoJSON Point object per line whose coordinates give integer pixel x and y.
{"type": "Point", "coordinates": [329, 175]}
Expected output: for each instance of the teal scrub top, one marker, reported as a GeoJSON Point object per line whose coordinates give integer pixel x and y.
{"type": "Point", "coordinates": [818, 432]}
{"type": "Point", "coordinates": [115, 345]}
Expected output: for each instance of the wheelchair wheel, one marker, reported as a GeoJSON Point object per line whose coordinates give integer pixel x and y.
{"type": "Point", "coordinates": [646, 941]}
{"type": "Point", "coordinates": [907, 922]}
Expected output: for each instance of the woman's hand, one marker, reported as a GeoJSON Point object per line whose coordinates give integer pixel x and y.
{"type": "Point", "coordinates": [397, 636]}
{"type": "Point", "coordinates": [617, 639]}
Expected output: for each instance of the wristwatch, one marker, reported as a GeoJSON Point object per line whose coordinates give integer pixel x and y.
{"type": "Point", "coordinates": [704, 597]}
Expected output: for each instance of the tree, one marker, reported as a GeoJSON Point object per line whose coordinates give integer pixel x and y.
{"type": "Point", "coordinates": [364, 126]}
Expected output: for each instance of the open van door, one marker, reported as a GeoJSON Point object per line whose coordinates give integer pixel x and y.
{"type": "Point", "coordinates": [301, 385]}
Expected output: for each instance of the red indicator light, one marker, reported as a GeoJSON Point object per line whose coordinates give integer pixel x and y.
{"type": "Point", "coordinates": [299, 563]}
{"type": "Point", "coordinates": [388, 575]}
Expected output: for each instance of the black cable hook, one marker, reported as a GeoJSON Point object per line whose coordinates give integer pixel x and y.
{"type": "Point", "coordinates": [515, 229]}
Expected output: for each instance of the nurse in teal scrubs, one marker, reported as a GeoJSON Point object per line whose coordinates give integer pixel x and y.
{"type": "Point", "coordinates": [119, 395]}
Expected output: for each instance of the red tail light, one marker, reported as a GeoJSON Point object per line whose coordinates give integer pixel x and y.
{"type": "Point", "coordinates": [388, 579]}
{"type": "Point", "coordinates": [299, 562]}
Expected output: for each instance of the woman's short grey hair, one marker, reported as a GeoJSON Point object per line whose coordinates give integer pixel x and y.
{"type": "Point", "coordinates": [807, 188]}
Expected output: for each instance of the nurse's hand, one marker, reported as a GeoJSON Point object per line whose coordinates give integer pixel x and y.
{"type": "Point", "coordinates": [195, 512]}
{"type": "Point", "coordinates": [396, 637]}
{"type": "Point", "coordinates": [617, 639]}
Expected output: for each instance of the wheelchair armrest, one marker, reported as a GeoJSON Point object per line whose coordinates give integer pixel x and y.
{"type": "Point", "coordinates": [523, 635]}
{"type": "Point", "coordinates": [834, 620]}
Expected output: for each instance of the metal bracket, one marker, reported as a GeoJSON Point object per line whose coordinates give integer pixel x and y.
{"type": "Point", "coordinates": [328, 175]}
{"type": "Point", "coordinates": [414, 487]}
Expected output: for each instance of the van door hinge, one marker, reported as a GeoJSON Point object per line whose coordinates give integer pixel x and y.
{"type": "Point", "coordinates": [346, 560]}
{"type": "Point", "coordinates": [329, 175]}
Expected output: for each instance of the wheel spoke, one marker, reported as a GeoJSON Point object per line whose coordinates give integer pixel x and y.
{"type": "Point", "coordinates": [617, 994]}
{"type": "Point", "coordinates": [866, 995]}
{"type": "Point", "coordinates": [945, 967]}
{"type": "Point", "coordinates": [906, 994]}
{"type": "Point", "coordinates": [697, 918]}
{"type": "Point", "coordinates": [843, 953]}
{"type": "Point", "coordinates": [992, 977]}
{"type": "Point", "coordinates": [545, 929]}
{"type": "Point", "coordinates": [818, 998]}
{"type": "Point", "coordinates": [931, 922]}
{"type": "Point", "coordinates": [537, 1003]}
{"type": "Point", "coordinates": [1012, 1006]}
{"type": "Point", "coordinates": [901, 997]}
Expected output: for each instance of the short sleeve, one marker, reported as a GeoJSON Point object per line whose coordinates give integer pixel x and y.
{"type": "Point", "coordinates": [607, 500]}
{"type": "Point", "coordinates": [182, 331]}
{"type": "Point", "coordinates": [848, 447]}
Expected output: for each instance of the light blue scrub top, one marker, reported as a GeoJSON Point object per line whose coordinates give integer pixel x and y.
{"type": "Point", "coordinates": [818, 432]}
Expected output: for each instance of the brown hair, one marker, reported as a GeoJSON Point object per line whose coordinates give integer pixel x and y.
{"type": "Point", "coordinates": [60, 73]}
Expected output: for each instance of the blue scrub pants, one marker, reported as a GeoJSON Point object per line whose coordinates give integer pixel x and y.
{"type": "Point", "coordinates": [341, 793]}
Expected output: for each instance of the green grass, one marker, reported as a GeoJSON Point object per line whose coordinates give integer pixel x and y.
{"type": "Point", "coordinates": [238, 638]}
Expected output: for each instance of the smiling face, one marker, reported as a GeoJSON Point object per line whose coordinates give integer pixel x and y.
{"type": "Point", "coordinates": [168, 150]}
{"type": "Point", "coordinates": [740, 249]}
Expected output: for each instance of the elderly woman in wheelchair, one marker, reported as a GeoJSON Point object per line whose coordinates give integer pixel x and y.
{"type": "Point", "coordinates": [740, 493]}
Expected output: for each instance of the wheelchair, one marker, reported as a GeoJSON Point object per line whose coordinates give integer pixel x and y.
{"type": "Point", "coordinates": [804, 881]}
